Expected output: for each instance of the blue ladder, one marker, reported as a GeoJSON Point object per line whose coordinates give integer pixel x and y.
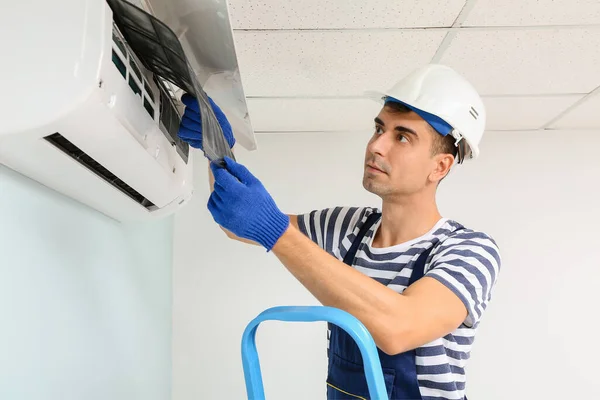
{"type": "Point", "coordinates": [360, 334]}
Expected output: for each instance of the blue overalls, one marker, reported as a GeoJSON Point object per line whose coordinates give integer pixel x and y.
{"type": "Point", "coordinates": [346, 377]}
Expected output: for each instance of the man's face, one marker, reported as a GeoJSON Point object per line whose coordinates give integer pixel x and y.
{"type": "Point", "coordinates": [398, 159]}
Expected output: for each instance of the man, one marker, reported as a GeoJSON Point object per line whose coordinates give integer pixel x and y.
{"type": "Point", "coordinates": [419, 282]}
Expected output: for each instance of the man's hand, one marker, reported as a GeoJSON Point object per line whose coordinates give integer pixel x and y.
{"type": "Point", "coordinates": [242, 205]}
{"type": "Point", "coordinates": [190, 129]}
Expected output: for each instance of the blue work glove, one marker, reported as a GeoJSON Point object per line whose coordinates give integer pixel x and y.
{"type": "Point", "coordinates": [241, 204]}
{"type": "Point", "coordinates": [190, 129]}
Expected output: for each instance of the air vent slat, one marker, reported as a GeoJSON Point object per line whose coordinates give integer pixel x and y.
{"type": "Point", "coordinates": [70, 149]}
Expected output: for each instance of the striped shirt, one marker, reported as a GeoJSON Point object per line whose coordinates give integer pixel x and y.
{"type": "Point", "coordinates": [467, 262]}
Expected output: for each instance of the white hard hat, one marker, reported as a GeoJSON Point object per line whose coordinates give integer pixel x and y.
{"type": "Point", "coordinates": [446, 100]}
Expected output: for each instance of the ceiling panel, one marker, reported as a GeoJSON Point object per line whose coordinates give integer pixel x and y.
{"type": "Point", "coordinates": [584, 116]}
{"type": "Point", "coordinates": [527, 61]}
{"type": "Point", "coordinates": [339, 14]}
{"type": "Point", "coordinates": [308, 63]}
{"type": "Point", "coordinates": [540, 12]}
{"type": "Point", "coordinates": [524, 113]}
{"type": "Point", "coordinates": [308, 115]}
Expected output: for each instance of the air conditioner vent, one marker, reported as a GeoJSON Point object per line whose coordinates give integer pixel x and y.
{"type": "Point", "coordinates": [63, 144]}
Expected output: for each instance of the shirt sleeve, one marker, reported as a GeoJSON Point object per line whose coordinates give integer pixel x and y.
{"type": "Point", "coordinates": [468, 263]}
{"type": "Point", "coordinates": [328, 227]}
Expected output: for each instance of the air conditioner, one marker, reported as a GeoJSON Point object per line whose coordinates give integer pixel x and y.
{"type": "Point", "coordinates": [82, 115]}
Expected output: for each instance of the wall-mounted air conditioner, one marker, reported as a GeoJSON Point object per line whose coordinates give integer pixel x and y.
{"type": "Point", "coordinates": [82, 115]}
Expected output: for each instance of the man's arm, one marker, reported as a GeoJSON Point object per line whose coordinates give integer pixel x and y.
{"type": "Point", "coordinates": [455, 289]}
{"type": "Point", "coordinates": [427, 310]}
{"type": "Point", "coordinates": [211, 184]}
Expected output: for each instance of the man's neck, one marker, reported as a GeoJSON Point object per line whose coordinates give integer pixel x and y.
{"type": "Point", "coordinates": [405, 219]}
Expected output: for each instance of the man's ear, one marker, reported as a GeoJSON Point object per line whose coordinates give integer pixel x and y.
{"type": "Point", "coordinates": [443, 162]}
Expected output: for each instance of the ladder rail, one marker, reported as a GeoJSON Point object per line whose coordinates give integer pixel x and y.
{"type": "Point", "coordinates": [343, 319]}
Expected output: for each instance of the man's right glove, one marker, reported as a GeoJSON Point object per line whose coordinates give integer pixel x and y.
{"type": "Point", "coordinates": [241, 204]}
{"type": "Point", "coordinates": [190, 129]}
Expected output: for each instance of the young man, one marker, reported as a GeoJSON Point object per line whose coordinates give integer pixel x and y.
{"type": "Point", "coordinates": [419, 282]}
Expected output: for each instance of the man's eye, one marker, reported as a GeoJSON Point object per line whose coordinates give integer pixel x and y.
{"type": "Point", "coordinates": [378, 130]}
{"type": "Point", "coordinates": [402, 138]}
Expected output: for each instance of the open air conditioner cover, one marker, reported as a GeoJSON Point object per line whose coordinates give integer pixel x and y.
{"type": "Point", "coordinates": [159, 50]}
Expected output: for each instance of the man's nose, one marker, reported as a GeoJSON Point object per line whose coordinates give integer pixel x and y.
{"type": "Point", "coordinates": [381, 144]}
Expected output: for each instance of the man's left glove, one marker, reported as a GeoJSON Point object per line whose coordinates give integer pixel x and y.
{"type": "Point", "coordinates": [241, 204]}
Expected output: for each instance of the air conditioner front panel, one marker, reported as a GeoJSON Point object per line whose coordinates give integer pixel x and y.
{"type": "Point", "coordinates": [72, 179]}
{"type": "Point", "coordinates": [112, 146]}
{"type": "Point", "coordinates": [53, 56]}
{"type": "Point", "coordinates": [151, 167]}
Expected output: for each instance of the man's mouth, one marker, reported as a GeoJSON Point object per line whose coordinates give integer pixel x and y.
{"type": "Point", "coordinates": [373, 168]}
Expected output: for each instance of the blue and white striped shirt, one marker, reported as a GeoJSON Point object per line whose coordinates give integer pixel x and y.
{"type": "Point", "coordinates": [467, 262]}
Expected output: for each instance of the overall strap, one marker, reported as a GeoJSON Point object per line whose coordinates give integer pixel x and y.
{"type": "Point", "coordinates": [419, 267]}
{"type": "Point", "coordinates": [349, 258]}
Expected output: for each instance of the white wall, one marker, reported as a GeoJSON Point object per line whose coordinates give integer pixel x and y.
{"type": "Point", "coordinates": [85, 303]}
{"type": "Point", "coordinates": [535, 193]}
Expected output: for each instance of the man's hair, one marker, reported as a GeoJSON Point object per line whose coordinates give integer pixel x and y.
{"type": "Point", "coordinates": [441, 144]}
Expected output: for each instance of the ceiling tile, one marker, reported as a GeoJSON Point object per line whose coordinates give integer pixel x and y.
{"type": "Point", "coordinates": [339, 14]}
{"type": "Point", "coordinates": [308, 63]}
{"type": "Point", "coordinates": [308, 115]}
{"type": "Point", "coordinates": [540, 12]}
{"type": "Point", "coordinates": [523, 113]}
{"type": "Point", "coordinates": [529, 61]}
{"type": "Point", "coordinates": [583, 116]}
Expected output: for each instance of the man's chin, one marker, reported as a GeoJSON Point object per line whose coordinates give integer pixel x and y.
{"type": "Point", "coordinates": [370, 186]}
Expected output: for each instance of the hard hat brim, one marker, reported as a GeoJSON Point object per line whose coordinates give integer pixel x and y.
{"type": "Point", "coordinates": [438, 124]}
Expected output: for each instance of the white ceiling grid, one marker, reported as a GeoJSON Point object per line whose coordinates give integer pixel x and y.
{"type": "Point", "coordinates": [305, 64]}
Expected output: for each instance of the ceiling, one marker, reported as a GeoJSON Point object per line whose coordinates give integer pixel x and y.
{"type": "Point", "coordinates": [305, 64]}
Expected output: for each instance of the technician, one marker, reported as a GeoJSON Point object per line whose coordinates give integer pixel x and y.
{"type": "Point", "coordinates": [419, 282]}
